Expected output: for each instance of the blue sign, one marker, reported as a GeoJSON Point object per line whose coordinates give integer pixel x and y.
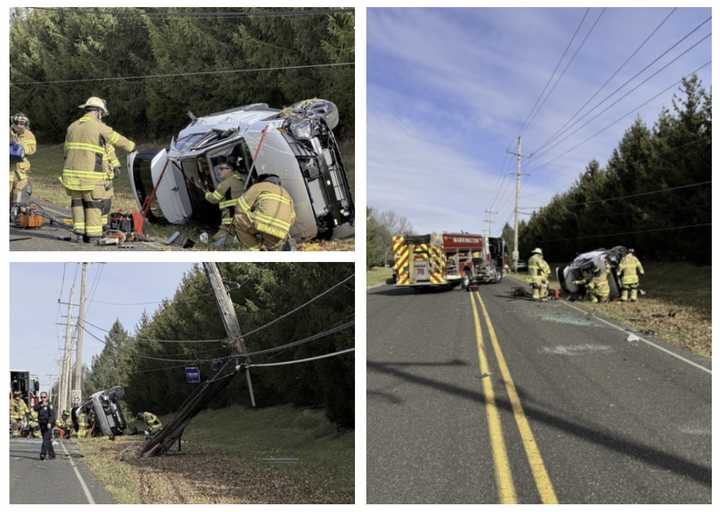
{"type": "Point", "coordinates": [192, 374]}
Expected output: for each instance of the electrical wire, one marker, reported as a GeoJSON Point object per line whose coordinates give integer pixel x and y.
{"type": "Point", "coordinates": [203, 14]}
{"type": "Point", "coordinates": [608, 80]}
{"type": "Point", "coordinates": [637, 86]}
{"type": "Point", "coordinates": [628, 196]}
{"type": "Point", "coordinates": [534, 111]}
{"type": "Point", "coordinates": [176, 75]}
{"type": "Point", "coordinates": [304, 360]}
{"type": "Point", "coordinates": [622, 117]}
{"type": "Point", "coordinates": [652, 230]}
{"type": "Point", "coordinates": [619, 88]}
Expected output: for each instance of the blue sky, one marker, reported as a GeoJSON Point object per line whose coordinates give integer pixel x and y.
{"type": "Point", "coordinates": [35, 340]}
{"type": "Point", "coordinates": [449, 89]}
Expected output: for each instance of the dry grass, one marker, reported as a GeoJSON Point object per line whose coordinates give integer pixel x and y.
{"type": "Point", "coordinates": [234, 455]}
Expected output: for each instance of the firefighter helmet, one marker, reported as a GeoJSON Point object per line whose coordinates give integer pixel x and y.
{"type": "Point", "coordinates": [95, 103]}
{"type": "Point", "coordinates": [20, 118]}
{"type": "Point", "coordinates": [537, 250]}
{"type": "Point", "coordinates": [270, 178]}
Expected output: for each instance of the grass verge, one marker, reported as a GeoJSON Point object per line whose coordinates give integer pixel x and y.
{"type": "Point", "coordinates": [234, 455]}
{"type": "Point", "coordinates": [378, 275]}
{"type": "Point", "coordinates": [676, 309]}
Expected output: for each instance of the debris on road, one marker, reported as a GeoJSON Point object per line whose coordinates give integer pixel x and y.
{"type": "Point", "coordinates": [632, 338]}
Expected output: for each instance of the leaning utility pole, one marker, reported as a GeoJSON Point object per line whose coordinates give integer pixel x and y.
{"type": "Point", "coordinates": [64, 387]}
{"type": "Point", "coordinates": [77, 381]}
{"type": "Point", "coordinates": [227, 312]}
{"type": "Point", "coordinates": [518, 161]}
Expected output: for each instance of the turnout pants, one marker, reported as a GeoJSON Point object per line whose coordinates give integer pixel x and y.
{"type": "Point", "coordinates": [249, 238]}
{"type": "Point", "coordinates": [629, 289]}
{"type": "Point", "coordinates": [18, 182]}
{"type": "Point", "coordinates": [539, 288]}
{"type": "Point", "coordinates": [87, 210]}
{"type": "Point", "coordinates": [47, 449]}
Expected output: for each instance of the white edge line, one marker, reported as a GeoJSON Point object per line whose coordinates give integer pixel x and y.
{"type": "Point", "coordinates": [84, 486]}
{"type": "Point", "coordinates": [670, 352]}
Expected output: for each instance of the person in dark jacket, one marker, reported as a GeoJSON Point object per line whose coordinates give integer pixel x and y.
{"type": "Point", "coordinates": [46, 419]}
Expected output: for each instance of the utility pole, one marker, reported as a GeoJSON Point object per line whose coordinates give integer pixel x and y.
{"type": "Point", "coordinates": [64, 387]}
{"type": "Point", "coordinates": [77, 381]}
{"type": "Point", "coordinates": [227, 312]}
{"type": "Point", "coordinates": [518, 162]}
{"type": "Point", "coordinates": [489, 221]}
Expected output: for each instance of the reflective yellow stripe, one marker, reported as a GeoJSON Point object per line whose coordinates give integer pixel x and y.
{"type": "Point", "coordinates": [216, 195]}
{"type": "Point", "coordinates": [270, 230]}
{"type": "Point", "coordinates": [114, 137]}
{"type": "Point", "coordinates": [227, 220]}
{"type": "Point", "coordinates": [244, 206]}
{"type": "Point", "coordinates": [261, 217]}
{"type": "Point", "coordinates": [275, 197]}
{"type": "Point", "coordinates": [93, 175]}
{"type": "Point", "coordinates": [228, 203]}
{"type": "Point", "coordinates": [85, 147]}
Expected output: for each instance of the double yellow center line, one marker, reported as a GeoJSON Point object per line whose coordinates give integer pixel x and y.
{"type": "Point", "coordinates": [503, 473]}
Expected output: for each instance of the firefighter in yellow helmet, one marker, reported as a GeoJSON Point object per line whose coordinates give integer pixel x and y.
{"type": "Point", "coordinates": [82, 431]}
{"type": "Point", "coordinates": [152, 423]}
{"type": "Point", "coordinates": [18, 412]}
{"type": "Point", "coordinates": [112, 171]}
{"type": "Point", "coordinates": [85, 173]}
{"type": "Point", "coordinates": [261, 217]}
{"type": "Point", "coordinates": [34, 424]}
{"type": "Point", "coordinates": [231, 187]}
{"type": "Point", "coordinates": [629, 268]}
{"type": "Point", "coordinates": [20, 175]}
{"type": "Point", "coordinates": [539, 272]}
{"type": "Point", "coordinates": [597, 285]}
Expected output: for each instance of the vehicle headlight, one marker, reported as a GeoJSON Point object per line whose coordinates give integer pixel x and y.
{"type": "Point", "coordinates": [302, 129]}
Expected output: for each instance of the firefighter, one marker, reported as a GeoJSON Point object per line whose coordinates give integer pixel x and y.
{"type": "Point", "coordinates": [231, 187]}
{"type": "Point", "coordinates": [46, 419]}
{"type": "Point", "coordinates": [67, 424]}
{"type": "Point", "coordinates": [629, 268]}
{"type": "Point", "coordinates": [20, 176]}
{"type": "Point", "coordinates": [112, 171]}
{"type": "Point", "coordinates": [34, 424]}
{"type": "Point", "coordinates": [82, 431]}
{"type": "Point", "coordinates": [597, 286]}
{"type": "Point", "coordinates": [85, 172]}
{"type": "Point", "coordinates": [152, 424]}
{"type": "Point", "coordinates": [18, 412]}
{"type": "Point", "coordinates": [539, 272]}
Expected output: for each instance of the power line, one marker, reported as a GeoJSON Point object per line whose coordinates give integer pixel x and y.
{"type": "Point", "coordinates": [203, 14]}
{"type": "Point", "coordinates": [533, 111]}
{"type": "Point", "coordinates": [610, 78]}
{"type": "Point", "coordinates": [175, 75]}
{"type": "Point", "coordinates": [637, 86]}
{"type": "Point", "coordinates": [653, 230]}
{"type": "Point", "coordinates": [628, 196]}
{"type": "Point", "coordinates": [622, 117]}
{"type": "Point", "coordinates": [294, 310]}
{"type": "Point", "coordinates": [308, 339]}
{"type": "Point", "coordinates": [542, 149]}
{"type": "Point", "coordinates": [304, 360]}
{"type": "Point", "coordinates": [571, 60]}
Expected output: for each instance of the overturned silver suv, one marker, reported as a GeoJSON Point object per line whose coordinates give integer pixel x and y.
{"type": "Point", "coordinates": [296, 143]}
{"type": "Point", "coordinates": [584, 264]}
{"type": "Point", "coordinates": [104, 412]}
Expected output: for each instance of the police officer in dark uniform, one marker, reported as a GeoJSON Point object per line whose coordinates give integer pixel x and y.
{"type": "Point", "coordinates": [46, 419]}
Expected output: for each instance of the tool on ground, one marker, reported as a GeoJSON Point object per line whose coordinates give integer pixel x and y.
{"type": "Point", "coordinates": [29, 217]}
{"type": "Point", "coordinates": [126, 225]}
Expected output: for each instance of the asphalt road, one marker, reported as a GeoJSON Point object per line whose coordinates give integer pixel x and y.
{"type": "Point", "coordinates": [54, 235]}
{"type": "Point", "coordinates": [33, 481]}
{"type": "Point", "coordinates": [489, 398]}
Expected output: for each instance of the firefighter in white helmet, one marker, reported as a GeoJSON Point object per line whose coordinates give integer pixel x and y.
{"type": "Point", "coordinates": [84, 173]}
{"type": "Point", "coordinates": [21, 135]}
{"type": "Point", "coordinates": [539, 273]}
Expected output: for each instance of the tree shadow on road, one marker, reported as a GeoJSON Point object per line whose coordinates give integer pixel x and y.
{"type": "Point", "coordinates": [594, 434]}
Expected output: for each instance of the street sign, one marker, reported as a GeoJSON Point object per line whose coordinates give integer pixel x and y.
{"type": "Point", "coordinates": [192, 374]}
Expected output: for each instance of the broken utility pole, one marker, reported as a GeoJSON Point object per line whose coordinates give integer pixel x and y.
{"type": "Point", "coordinates": [161, 442]}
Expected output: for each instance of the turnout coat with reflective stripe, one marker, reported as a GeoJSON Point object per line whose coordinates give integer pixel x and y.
{"type": "Point", "coordinates": [27, 140]}
{"type": "Point", "coordinates": [629, 268]}
{"type": "Point", "coordinates": [268, 207]}
{"type": "Point", "coordinates": [85, 152]}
